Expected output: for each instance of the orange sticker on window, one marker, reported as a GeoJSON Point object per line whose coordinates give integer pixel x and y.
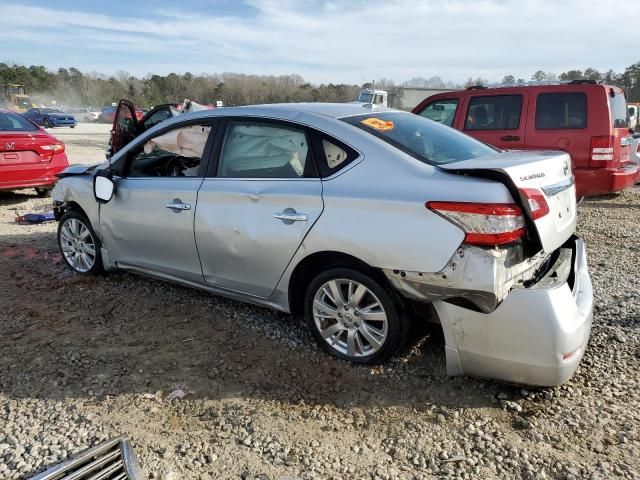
{"type": "Point", "coordinates": [378, 124]}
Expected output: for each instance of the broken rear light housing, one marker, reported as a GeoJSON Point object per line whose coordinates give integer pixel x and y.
{"type": "Point", "coordinates": [536, 201]}
{"type": "Point", "coordinates": [483, 223]}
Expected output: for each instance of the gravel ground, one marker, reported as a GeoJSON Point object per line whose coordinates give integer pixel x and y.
{"type": "Point", "coordinates": [84, 359]}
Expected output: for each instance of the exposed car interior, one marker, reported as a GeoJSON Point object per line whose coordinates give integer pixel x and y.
{"type": "Point", "coordinates": [176, 153]}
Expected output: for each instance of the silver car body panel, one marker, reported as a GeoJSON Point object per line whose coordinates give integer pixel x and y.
{"type": "Point", "coordinates": [247, 230]}
{"type": "Point", "coordinates": [373, 210]}
{"type": "Point", "coordinates": [536, 336]}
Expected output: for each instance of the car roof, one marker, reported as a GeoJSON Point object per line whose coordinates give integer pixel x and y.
{"type": "Point", "coordinates": [290, 110]}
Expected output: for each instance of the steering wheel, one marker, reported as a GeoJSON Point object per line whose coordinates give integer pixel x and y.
{"type": "Point", "coordinates": [175, 166]}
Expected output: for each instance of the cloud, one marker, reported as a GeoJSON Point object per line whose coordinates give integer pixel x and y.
{"type": "Point", "coordinates": [338, 40]}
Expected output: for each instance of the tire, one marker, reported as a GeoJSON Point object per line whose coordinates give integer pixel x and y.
{"type": "Point", "coordinates": [72, 126]}
{"type": "Point", "coordinates": [46, 123]}
{"type": "Point", "coordinates": [74, 244]}
{"type": "Point", "coordinates": [42, 192]}
{"type": "Point", "coordinates": [373, 340]}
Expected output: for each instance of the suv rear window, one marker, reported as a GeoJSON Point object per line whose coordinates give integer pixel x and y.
{"type": "Point", "coordinates": [12, 122]}
{"type": "Point", "coordinates": [559, 111]}
{"type": "Point", "coordinates": [419, 137]}
{"type": "Point", "coordinates": [618, 108]}
{"type": "Point", "coordinates": [496, 112]}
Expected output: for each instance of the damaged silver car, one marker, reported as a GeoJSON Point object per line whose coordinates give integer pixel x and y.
{"type": "Point", "coordinates": [351, 216]}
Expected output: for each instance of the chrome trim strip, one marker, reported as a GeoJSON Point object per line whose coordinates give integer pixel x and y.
{"type": "Point", "coordinates": [551, 190]}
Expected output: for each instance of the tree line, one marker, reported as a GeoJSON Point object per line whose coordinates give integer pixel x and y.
{"type": "Point", "coordinates": [70, 86]}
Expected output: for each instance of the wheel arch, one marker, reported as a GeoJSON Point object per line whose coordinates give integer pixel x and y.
{"type": "Point", "coordinates": [310, 266]}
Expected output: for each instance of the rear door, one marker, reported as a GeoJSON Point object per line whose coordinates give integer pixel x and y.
{"type": "Point", "coordinates": [497, 119]}
{"type": "Point", "coordinates": [257, 205]}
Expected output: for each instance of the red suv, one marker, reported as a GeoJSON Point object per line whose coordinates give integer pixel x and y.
{"type": "Point", "coordinates": [585, 119]}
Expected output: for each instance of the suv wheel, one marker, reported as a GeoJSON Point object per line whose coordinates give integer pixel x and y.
{"type": "Point", "coordinates": [79, 244]}
{"type": "Point", "coordinates": [353, 317]}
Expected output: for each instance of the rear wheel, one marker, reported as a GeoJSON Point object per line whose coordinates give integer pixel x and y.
{"type": "Point", "coordinates": [353, 317]}
{"type": "Point", "coordinates": [79, 244]}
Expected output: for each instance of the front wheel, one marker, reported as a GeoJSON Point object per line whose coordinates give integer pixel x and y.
{"type": "Point", "coordinates": [46, 123]}
{"type": "Point", "coordinates": [79, 244]}
{"type": "Point", "coordinates": [353, 317]}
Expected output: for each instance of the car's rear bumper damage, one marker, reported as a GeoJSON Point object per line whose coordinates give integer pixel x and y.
{"type": "Point", "coordinates": [475, 276]}
{"type": "Point", "coordinates": [536, 336]}
{"type": "Point", "coordinates": [538, 328]}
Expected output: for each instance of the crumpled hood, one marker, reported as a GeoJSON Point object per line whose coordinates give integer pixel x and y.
{"type": "Point", "coordinates": [77, 170]}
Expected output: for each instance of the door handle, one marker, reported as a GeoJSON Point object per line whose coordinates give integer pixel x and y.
{"type": "Point", "coordinates": [178, 205]}
{"type": "Point", "coordinates": [290, 217]}
{"type": "Point", "coordinates": [510, 138]}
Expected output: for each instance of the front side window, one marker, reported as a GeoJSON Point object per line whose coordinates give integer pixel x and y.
{"type": "Point", "coordinates": [560, 111]}
{"type": "Point", "coordinates": [12, 122]}
{"type": "Point", "coordinates": [499, 112]}
{"type": "Point", "coordinates": [441, 111]}
{"type": "Point", "coordinates": [176, 153]}
{"type": "Point", "coordinates": [264, 150]}
{"type": "Point", "coordinates": [423, 139]}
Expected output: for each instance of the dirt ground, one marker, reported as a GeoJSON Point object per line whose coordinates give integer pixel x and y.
{"type": "Point", "coordinates": [84, 359]}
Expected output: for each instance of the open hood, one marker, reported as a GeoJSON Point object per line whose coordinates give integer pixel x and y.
{"type": "Point", "coordinates": [545, 174]}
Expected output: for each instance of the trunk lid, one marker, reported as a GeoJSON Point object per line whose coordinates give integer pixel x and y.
{"type": "Point", "coordinates": [22, 148]}
{"type": "Point", "coordinates": [545, 171]}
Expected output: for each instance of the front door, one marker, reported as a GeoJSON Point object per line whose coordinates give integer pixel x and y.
{"type": "Point", "coordinates": [499, 120]}
{"type": "Point", "coordinates": [255, 210]}
{"type": "Point", "coordinates": [148, 224]}
{"type": "Point", "coordinates": [125, 126]}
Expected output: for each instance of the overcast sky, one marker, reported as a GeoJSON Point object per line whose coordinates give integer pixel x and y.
{"type": "Point", "coordinates": [336, 41]}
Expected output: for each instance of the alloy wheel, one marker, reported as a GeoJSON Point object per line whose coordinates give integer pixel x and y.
{"type": "Point", "coordinates": [350, 318]}
{"type": "Point", "coordinates": [78, 245]}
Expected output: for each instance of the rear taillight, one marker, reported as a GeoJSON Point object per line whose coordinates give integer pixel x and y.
{"type": "Point", "coordinates": [483, 223]}
{"type": "Point", "coordinates": [48, 150]}
{"type": "Point", "coordinates": [602, 148]}
{"type": "Point", "coordinates": [536, 201]}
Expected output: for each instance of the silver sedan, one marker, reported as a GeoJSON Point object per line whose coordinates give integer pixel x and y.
{"type": "Point", "coordinates": [350, 216]}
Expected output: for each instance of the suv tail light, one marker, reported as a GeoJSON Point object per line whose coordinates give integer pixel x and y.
{"type": "Point", "coordinates": [483, 223]}
{"type": "Point", "coordinates": [602, 148]}
{"type": "Point", "coordinates": [536, 201]}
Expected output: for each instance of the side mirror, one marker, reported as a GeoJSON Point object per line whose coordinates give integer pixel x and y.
{"type": "Point", "coordinates": [103, 186]}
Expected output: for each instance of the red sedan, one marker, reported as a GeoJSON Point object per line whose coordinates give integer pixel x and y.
{"type": "Point", "coordinates": [29, 156]}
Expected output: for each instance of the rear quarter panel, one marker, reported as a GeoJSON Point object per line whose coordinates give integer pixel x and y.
{"type": "Point", "coordinates": [375, 211]}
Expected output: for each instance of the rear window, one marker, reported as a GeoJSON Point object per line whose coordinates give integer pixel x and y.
{"type": "Point", "coordinates": [421, 138]}
{"type": "Point", "coordinates": [618, 108]}
{"type": "Point", "coordinates": [559, 111]}
{"type": "Point", "coordinates": [12, 122]}
{"type": "Point", "coordinates": [496, 112]}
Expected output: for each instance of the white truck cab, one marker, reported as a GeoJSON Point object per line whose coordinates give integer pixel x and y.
{"type": "Point", "coordinates": [373, 96]}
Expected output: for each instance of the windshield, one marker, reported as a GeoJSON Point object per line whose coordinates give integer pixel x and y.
{"type": "Point", "coordinates": [365, 97]}
{"type": "Point", "coordinates": [49, 110]}
{"type": "Point", "coordinates": [12, 122]}
{"type": "Point", "coordinates": [618, 107]}
{"type": "Point", "coordinates": [421, 138]}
